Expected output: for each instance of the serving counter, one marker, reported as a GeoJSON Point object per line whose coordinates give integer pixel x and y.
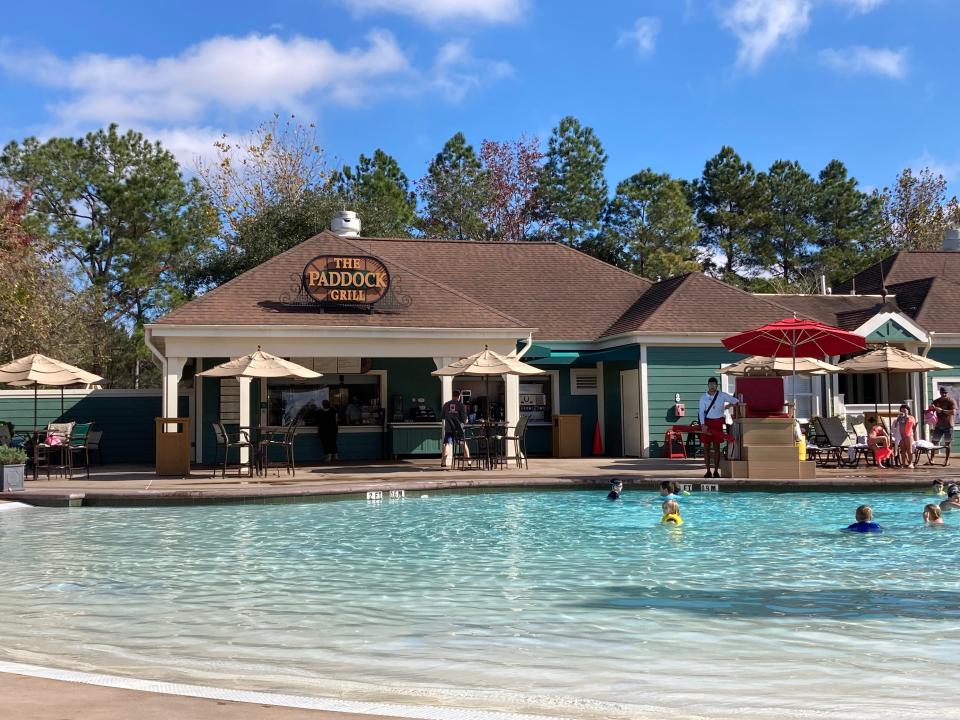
{"type": "Point", "coordinates": [415, 438]}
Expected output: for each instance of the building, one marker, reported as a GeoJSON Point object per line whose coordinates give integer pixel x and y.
{"type": "Point", "coordinates": [376, 316]}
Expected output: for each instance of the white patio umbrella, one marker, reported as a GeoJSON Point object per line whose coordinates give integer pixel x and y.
{"type": "Point", "coordinates": [888, 359]}
{"type": "Point", "coordinates": [260, 364]}
{"type": "Point", "coordinates": [37, 369]}
{"type": "Point", "coordinates": [782, 366]}
{"type": "Point", "coordinates": [487, 363]}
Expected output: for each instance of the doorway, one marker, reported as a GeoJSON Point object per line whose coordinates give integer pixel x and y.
{"type": "Point", "coordinates": [630, 412]}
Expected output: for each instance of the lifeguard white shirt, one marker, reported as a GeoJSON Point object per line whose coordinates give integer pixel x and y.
{"type": "Point", "coordinates": [716, 412]}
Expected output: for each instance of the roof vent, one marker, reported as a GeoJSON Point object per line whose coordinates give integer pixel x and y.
{"type": "Point", "coordinates": [951, 239]}
{"type": "Point", "coordinates": [345, 224]}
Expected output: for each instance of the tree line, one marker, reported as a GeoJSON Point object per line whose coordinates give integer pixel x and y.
{"type": "Point", "coordinates": [99, 235]}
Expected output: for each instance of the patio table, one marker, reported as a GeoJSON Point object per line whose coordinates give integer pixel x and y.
{"type": "Point", "coordinates": [259, 435]}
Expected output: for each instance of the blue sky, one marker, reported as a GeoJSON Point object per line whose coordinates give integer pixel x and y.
{"type": "Point", "coordinates": [664, 83]}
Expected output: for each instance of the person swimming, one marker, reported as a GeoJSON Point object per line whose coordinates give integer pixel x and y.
{"type": "Point", "coordinates": [616, 489]}
{"type": "Point", "coordinates": [936, 488]}
{"type": "Point", "coordinates": [671, 513]}
{"type": "Point", "coordinates": [864, 523]}
{"type": "Point", "coordinates": [953, 499]}
{"type": "Point", "coordinates": [932, 514]}
{"type": "Point", "coordinates": [671, 488]}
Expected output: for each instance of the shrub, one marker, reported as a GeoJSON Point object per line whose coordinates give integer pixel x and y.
{"type": "Point", "coordinates": [12, 456]}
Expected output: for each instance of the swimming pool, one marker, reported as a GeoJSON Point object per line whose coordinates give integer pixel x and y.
{"type": "Point", "coordinates": [554, 602]}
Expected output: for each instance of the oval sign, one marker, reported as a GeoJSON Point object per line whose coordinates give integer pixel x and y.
{"type": "Point", "coordinates": [353, 279]}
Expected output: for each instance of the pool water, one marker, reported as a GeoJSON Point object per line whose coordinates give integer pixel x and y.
{"type": "Point", "coordinates": [560, 603]}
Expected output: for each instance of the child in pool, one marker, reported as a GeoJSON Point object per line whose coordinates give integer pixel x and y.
{"type": "Point", "coordinates": [932, 515]}
{"type": "Point", "coordinates": [864, 523]}
{"type": "Point", "coordinates": [936, 488]}
{"type": "Point", "coordinates": [670, 488]}
{"type": "Point", "coordinates": [671, 513]}
{"type": "Point", "coordinates": [953, 499]}
{"type": "Point", "coordinates": [616, 489]}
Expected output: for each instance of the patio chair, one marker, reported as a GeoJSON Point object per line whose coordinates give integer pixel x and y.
{"type": "Point", "coordinates": [762, 397]}
{"type": "Point", "coordinates": [860, 447]}
{"type": "Point", "coordinates": [55, 440]}
{"type": "Point", "coordinates": [93, 445]}
{"type": "Point", "coordinates": [77, 445]}
{"type": "Point", "coordinates": [283, 440]}
{"type": "Point", "coordinates": [518, 442]}
{"type": "Point", "coordinates": [226, 442]}
{"type": "Point", "coordinates": [461, 448]}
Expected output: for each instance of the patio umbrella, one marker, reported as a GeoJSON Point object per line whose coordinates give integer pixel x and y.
{"type": "Point", "coordinates": [793, 338]}
{"type": "Point", "coordinates": [759, 365]}
{"type": "Point", "coordinates": [260, 364]}
{"type": "Point", "coordinates": [37, 369]}
{"type": "Point", "coordinates": [889, 360]}
{"type": "Point", "coordinates": [487, 363]}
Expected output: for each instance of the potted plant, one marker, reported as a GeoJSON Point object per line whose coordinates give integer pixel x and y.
{"type": "Point", "coordinates": [12, 464]}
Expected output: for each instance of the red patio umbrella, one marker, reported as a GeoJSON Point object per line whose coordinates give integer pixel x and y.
{"type": "Point", "coordinates": [795, 337]}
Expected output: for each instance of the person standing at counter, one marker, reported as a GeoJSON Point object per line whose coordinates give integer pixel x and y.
{"type": "Point", "coordinates": [453, 406]}
{"type": "Point", "coordinates": [327, 428]}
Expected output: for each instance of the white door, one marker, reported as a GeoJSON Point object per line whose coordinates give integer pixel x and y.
{"type": "Point", "coordinates": [630, 411]}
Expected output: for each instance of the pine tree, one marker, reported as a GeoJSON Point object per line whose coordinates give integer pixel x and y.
{"type": "Point", "coordinates": [849, 223]}
{"type": "Point", "coordinates": [651, 223]}
{"type": "Point", "coordinates": [784, 242]}
{"type": "Point", "coordinates": [453, 193]}
{"type": "Point", "coordinates": [729, 210]}
{"type": "Point", "coordinates": [380, 193]}
{"type": "Point", "coordinates": [573, 190]}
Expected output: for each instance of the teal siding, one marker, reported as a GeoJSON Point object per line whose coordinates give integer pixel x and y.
{"type": "Point", "coordinates": [127, 421]}
{"type": "Point", "coordinates": [890, 331]}
{"type": "Point", "coordinates": [583, 405]}
{"type": "Point", "coordinates": [410, 377]}
{"type": "Point", "coordinates": [678, 370]}
{"type": "Point", "coordinates": [210, 412]}
{"type": "Point", "coordinates": [950, 356]}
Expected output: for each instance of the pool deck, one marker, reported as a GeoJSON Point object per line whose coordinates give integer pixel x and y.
{"type": "Point", "coordinates": [131, 485]}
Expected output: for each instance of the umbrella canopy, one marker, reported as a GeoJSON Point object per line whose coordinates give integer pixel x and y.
{"type": "Point", "coordinates": [890, 360]}
{"type": "Point", "coordinates": [39, 370]}
{"type": "Point", "coordinates": [759, 365]}
{"type": "Point", "coordinates": [260, 365]}
{"type": "Point", "coordinates": [794, 337]}
{"type": "Point", "coordinates": [488, 363]}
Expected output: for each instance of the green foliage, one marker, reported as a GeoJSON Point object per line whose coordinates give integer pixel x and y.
{"type": "Point", "coordinates": [379, 191]}
{"type": "Point", "coordinates": [573, 190]}
{"type": "Point", "coordinates": [917, 211]}
{"type": "Point", "coordinates": [850, 225]}
{"type": "Point", "coordinates": [651, 223]}
{"type": "Point", "coordinates": [454, 192]}
{"type": "Point", "coordinates": [12, 456]}
{"type": "Point", "coordinates": [786, 232]}
{"type": "Point", "coordinates": [116, 206]}
{"type": "Point", "coordinates": [729, 205]}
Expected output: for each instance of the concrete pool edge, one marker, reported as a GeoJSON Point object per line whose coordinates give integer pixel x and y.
{"type": "Point", "coordinates": [266, 493]}
{"type": "Point", "coordinates": [279, 700]}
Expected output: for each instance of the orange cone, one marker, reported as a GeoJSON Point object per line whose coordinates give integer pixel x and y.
{"type": "Point", "coordinates": [597, 440]}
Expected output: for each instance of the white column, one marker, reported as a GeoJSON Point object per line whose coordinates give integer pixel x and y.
{"type": "Point", "coordinates": [512, 399]}
{"type": "Point", "coordinates": [446, 381]}
{"type": "Point", "coordinates": [244, 412]}
{"type": "Point", "coordinates": [173, 369]}
{"type": "Point", "coordinates": [644, 405]}
{"type": "Point", "coordinates": [197, 418]}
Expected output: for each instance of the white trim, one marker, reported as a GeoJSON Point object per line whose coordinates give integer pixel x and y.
{"type": "Point", "coordinates": [601, 407]}
{"type": "Point", "coordinates": [359, 707]}
{"type": "Point", "coordinates": [83, 392]}
{"type": "Point", "coordinates": [899, 318]}
{"type": "Point", "coordinates": [335, 331]}
{"type": "Point", "coordinates": [644, 404]}
{"type": "Point", "coordinates": [197, 417]}
{"type": "Point", "coordinates": [554, 394]}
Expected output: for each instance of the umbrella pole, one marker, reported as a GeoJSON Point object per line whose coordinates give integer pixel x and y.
{"type": "Point", "coordinates": [794, 380]}
{"type": "Point", "coordinates": [61, 402]}
{"type": "Point", "coordinates": [36, 418]}
{"type": "Point", "coordinates": [889, 410]}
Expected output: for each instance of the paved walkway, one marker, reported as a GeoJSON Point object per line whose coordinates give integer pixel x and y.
{"type": "Point", "coordinates": [113, 484]}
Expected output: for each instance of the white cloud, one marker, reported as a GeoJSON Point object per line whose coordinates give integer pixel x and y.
{"type": "Point", "coordinates": [456, 71]}
{"type": "Point", "coordinates": [763, 26]}
{"type": "Point", "coordinates": [860, 60]}
{"type": "Point", "coordinates": [643, 36]}
{"type": "Point", "coordinates": [188, 144]}
{"type": "Point", "coordinates": [260, 72]}
{"type": "Point", "coordinates": [861, 6]}
{"type": "Point", "coordinates": [434, 12]}
{"type": "Point", "coordinates": [938, 166]}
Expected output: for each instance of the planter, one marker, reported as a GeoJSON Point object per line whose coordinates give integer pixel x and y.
{"type": "Point", "coordinates": [12, 476]}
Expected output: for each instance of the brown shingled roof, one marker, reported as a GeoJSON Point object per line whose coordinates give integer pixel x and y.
{"type": "Point", "coordinates": [697, 303]}
{"type": "Point", "coordinates": [253, 298]}
{"type": "Point", "coordinates": [904, 267]}
{"type": "Point", "coordinates": [938, 309]}
{"type": "Point", "coordinates": [843, 311]}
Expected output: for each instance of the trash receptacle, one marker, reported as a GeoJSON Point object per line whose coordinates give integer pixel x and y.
{"type": "Point", "coordinates": [173, 446]}
{"type": "Point", "coordinates": [566, 436]}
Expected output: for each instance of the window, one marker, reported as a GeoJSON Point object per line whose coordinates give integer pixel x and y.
{"type": "Point", "coordinates": [583, 381]}
{"type": "Point", "coordinates": [536, 398]}
{"type": "Point", "coordinates": [356, 399]}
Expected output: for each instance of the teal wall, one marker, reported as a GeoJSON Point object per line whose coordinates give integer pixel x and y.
{"type": "Point", "coordinates": [950, 356]}
{"type": "Point", "coordinates": [613, 435]}
{"type": "Point", "coordinates": [127, 421]}
{"type": "Point", "coordinates": [583, 405]}
{"type": "Point", "coordinates": [890, 332]}
{"type": "Point", "coordinates": [678, 370]}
